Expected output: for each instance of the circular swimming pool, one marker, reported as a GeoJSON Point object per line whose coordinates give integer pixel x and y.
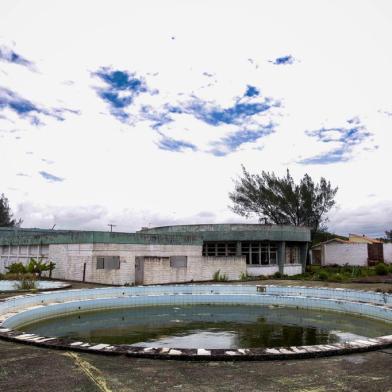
{"type": "Point", "coordinates": [210, 326]}
{"type": "Point", "coordinates": [202, 321]}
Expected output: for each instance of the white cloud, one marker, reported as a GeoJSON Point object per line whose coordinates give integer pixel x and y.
{"type": "Point", "coordinates": [341, 71]}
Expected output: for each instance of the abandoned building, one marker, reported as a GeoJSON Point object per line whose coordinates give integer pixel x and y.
{"type": "Point", "coordinates": [358, 250]}
{"type": "Point", "coordinates": [169, 254]}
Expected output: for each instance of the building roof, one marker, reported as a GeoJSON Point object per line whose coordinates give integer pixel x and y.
{"type": "Point", "coordinates": [175, 235]}
{"type": "Point", "coordinates": [237, 232]}
{"type": "Point", "coordinates": [339, 240]}
{"type": "Point", "coordinates": [363, 238]}
{"type": "Point", "coordinates": [21, 236]}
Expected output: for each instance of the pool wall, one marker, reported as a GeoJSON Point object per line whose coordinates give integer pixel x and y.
{"type": "Point", "coordinates": [16, 311]}
{"type": "Point", "coordinates": [41, 285]}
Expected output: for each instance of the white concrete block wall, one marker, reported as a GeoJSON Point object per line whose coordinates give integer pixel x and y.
{"type": "Point", "coordinates": [292, 269]}
{"type": "Point", "coordinates": [388, 253]}
{"type": "Point", "coordinates": [70, 261]}
{"type": "Point", "coordinates": [21, 254]}
{"type": "Point", "coordinates": [198, 268]}
{"type": "Point", "coordinates": [205, 267]}
{"type": "Point", "coordinates": [265, 270]}
{"type": "Point", "coordinates": [340, 254]}
{"type": "Point", "coordinates": [128, 253]}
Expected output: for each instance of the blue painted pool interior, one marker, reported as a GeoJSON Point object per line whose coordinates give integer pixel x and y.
{"type": "Point", "coordinates": [25, 309]}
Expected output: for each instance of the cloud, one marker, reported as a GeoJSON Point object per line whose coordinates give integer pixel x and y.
{"type": "Point", "coordinates": [344, 139]}
{"type": "Point", "coordinates": [370, 219]}
{"type": "Point", "coordinates": [284, 60]}
{"type": "Point", "coordinates": [8, 55]}
{"type": "Point", "coordinates": [50, 177]}
{"type": "Point", "coordinates": [97, 217]}
{"type": "Point", "coordinates": [120, 90]}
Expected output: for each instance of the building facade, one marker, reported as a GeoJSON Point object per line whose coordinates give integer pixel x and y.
{"type": "Point", "coordinates": [169, 254]}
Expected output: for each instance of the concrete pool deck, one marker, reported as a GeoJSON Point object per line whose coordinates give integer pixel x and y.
{"type": "Point", "coordinates": [29, 368]}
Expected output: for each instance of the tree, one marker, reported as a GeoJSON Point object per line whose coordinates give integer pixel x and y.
{"type": "Point", "coordinates": [6, 216]}
{"type": "Point", "coordinates": [388, 235]}
{"type": "Point", "coordinates": [281, 201]}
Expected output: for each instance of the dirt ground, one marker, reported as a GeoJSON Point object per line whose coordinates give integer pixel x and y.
{"type": "Point", "coordinates": [29, 368]}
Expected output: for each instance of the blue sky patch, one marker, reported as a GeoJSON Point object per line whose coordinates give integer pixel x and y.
{"type": "Point", "coordinates": [251, 91]}
{"type": "Point", "coordinates": [284, 60]}
{"type": "Point", "coordinates": [25, 108]}
{"type": "Point", "coordinates": [50, 177]}
{"type": "Point", "coordinates": [173, 145]}
{"type": "Point", "coordinates": [121, 89]}
{"type": "Point", "coordinates": [345, 137]}
{"type": "Point", "coordinates": [231, 142]}
{"type": "Point", "coordinates": [8, 55]}
{"type": "Point", "coordinates": [236, 114]}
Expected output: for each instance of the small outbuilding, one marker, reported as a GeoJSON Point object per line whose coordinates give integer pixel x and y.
{"type": "Point", "coordinates": [358, 250]}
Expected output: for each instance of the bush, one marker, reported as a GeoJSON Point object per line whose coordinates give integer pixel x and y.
{"type": "Point", "coordinates": [336, 278]}
{"type": "Point", "coordinates": [16, 268]}
{"type": "Point", "coordinates": [323, 275]}
{"type": "Point", "coordinates": [277, 275]}
{"type": "Point", "coordinates": [244, 276]}
{"type": "Point", "coordinates": [26, 282]}
{"type": "Point", "coordinates": [218, 277]}
{"type": "Point", "coordinates": [381, 269]}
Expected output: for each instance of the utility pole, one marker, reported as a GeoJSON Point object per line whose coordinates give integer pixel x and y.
{"type": "Point", "coordinates": [111, 227]}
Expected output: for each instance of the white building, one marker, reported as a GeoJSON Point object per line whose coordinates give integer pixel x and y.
{"type": "Point", "coordinates": [167, 254]}
{"type": "Point", "coordinates": [357, 250]}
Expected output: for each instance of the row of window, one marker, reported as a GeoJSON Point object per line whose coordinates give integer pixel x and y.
{"type": "Point", "coordinates": [256, 252]}
{"type": "Point", "coordinates": [24, 250]}
{"type": "Point", "coordinates": [113, 262]}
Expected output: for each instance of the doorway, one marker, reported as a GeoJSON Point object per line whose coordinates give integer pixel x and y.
{"type": "Point", "coordinates": [139, 270]}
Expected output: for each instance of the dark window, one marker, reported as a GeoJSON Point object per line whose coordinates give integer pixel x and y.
{"type": "Point", "coordinates": [259, 253]}
{"type": "Point", "coordinates": [178, 261]}
{"type": "Point", "coordinates": [108, 262]}
{"type": "Point", "coordinates": [219, 249]}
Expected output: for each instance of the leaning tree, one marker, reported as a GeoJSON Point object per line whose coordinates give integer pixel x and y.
{"type": "Point", "coordinates": [282, 201]}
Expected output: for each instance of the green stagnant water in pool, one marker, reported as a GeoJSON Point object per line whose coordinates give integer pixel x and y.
{"type": "Point", "coordinates": [210, 326]}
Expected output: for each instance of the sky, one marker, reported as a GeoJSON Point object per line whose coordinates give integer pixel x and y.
{"type": "Point", "coordinates": [141, 113]}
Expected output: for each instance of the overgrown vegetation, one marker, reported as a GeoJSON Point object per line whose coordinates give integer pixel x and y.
{"type": "Point", "coordinates": [35, 267]}
{"type": "Point", "coordinates": [27, 275]}
{"type": "Point", "coordinates": [336, 273]}
{"type": "Point", "coordinates": [26, 282]}
{"type": "Point", "coordinates": [218, 277]}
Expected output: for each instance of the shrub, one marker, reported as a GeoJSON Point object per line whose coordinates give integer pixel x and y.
{"type": "Point", "coordinates": [16, 268]}
{"type": "Point", "coordinates": [323, 275]}
{"type": "Point", "coordinates": [277, 275]}
{"type": "Point", "coordinates": [244, 276]}
{"type": "Point", "coordinates": [335, 278]}
{"type": "Point", "coordinates": [218, 277]}
{"type": "Point", "coordinates": [381, 269]}
{"type": "Point", "coordinates": [26, 282]}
